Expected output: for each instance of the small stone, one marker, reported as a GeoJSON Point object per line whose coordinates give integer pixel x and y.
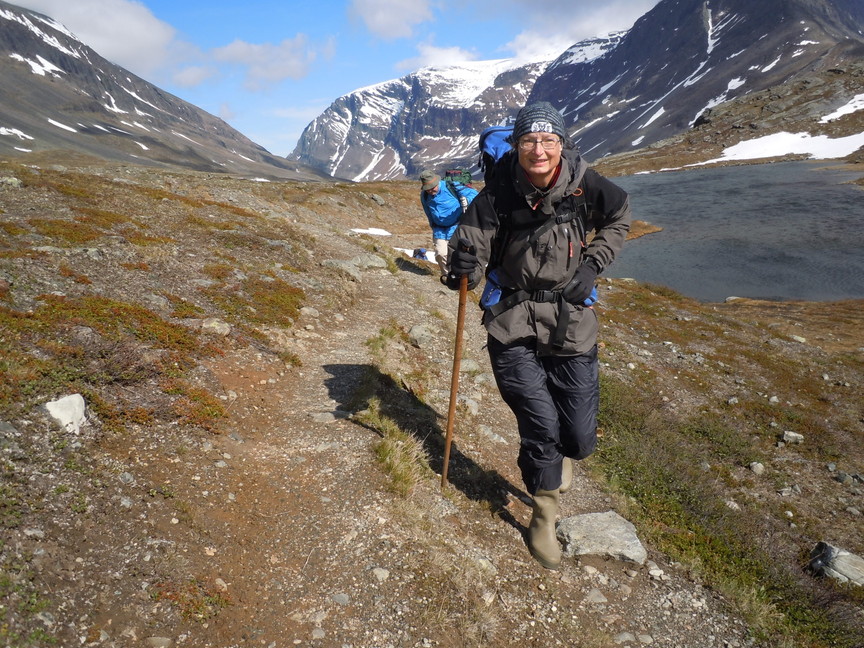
{"type": "Point", "coordinates": [792, 437]}
{"type": "Point", "coordinates": [341, 599]}
{"type": "Point", "coordinates": [757, 468]}
{"type": "Point", "coordinates": [646, 639]}
{"type": "Point", "coordinates": [596, 597]}
{"type": "Point", "coordinates": [158, 642]}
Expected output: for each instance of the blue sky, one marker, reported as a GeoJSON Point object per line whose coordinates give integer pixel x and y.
{"type": "Point", "coordinates": [269, 67]}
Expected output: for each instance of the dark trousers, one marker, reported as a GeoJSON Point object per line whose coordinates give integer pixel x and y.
{"type": "Point", "coordinates": [555, 400]}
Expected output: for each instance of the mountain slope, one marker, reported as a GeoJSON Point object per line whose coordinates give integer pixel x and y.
{"type": "Point", "coordinates": [620, 94]}
{"type": "Point", "coordinates": [57, 93]}
{"type": "Point", "coordinates": [395, 128]}
{"type": "Point", "coordinates": [686, 56]}
{"type": "Point", "coordinates": [267, 392]}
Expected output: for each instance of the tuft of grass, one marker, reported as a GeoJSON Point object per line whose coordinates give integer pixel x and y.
{"type": "Point", "coordinates": [101, 218]}
{"type": "Point", "coordinates": [218, 271]}
{"type": "Point", "coordinates": [39, 358]}
{"type": "Point", "coordinates": [69, 273]}
{"type": "Point", "coordinates": [196, 406]}
{"type": "Point", "coordinates": [141, 239]}
{"type": "Point", "coordinates": [271, 302]}
{"type": "Point", "coordinates": [182, 308]}
{"type": "Point", "coordinates": [392, 330]}
{"type": "Point", "coordinates": [63, 231]}
{"type": "Point", "coordinates": [400, 454]}
{"type": "Point", "coordinates": [13, 229]}
{"type": "Point", "coordinates": [139, 265]}
{"type": "Point", "coordinates": [194, 599]}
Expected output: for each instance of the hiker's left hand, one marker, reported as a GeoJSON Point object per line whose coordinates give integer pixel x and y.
{"type": "Point", "coordinates": [580, 286]}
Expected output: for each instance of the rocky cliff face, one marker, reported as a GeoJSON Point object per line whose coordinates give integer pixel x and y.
{"type": "Point", "coordinates": [686, 57]}
{"type": "Point", "coordinates": [57, 93]}
{"type": "Point", "coordinates": [427, 118]}
{"type": "Point", "coordinates": [623, 93]}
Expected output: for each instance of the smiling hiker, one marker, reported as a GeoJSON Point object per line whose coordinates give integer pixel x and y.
{"type": "Point", "coordinates": [444, 202]}
{"type": "Point", "coordinates": [528, 228]}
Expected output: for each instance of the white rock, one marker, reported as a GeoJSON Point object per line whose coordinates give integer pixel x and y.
{"type": "Point", "coordinates": [792, 437]}
{"type": "Point", "coordinates": [70, 412]}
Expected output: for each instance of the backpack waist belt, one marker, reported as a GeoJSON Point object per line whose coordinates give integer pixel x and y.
{"type": "Point", "coordinates": [542, 296]}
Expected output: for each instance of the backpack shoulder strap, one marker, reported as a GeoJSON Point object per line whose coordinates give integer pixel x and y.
{"type": "Point", "coordinates": [452, 187]}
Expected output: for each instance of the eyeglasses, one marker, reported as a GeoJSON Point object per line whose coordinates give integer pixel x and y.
{"type": "Point", "coordinates": [548, 144]}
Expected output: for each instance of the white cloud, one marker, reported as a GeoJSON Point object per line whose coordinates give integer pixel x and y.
{"type": "Point", "coordinates": [226, 113]}
{"type": "Point", "coordinates": [193, 75]}
{"type": "Point", "coordinates": [551, 32]}
{"type": "Point", "coordinates": [267, 63]}
{"type": "Point", "coordinates": [428, 54]}
{"type": "Point", "coordinates": [391, 19]}
{"type": "Point", "coordinates": [123, 31]}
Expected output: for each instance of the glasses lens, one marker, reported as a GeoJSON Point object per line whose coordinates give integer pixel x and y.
{"type": "Point", "coordinates": [548, 143]}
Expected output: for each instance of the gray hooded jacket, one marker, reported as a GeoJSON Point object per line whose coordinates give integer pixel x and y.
{"type": "Point", "coordinates": [500, 223]}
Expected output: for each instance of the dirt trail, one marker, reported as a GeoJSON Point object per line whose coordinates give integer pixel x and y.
{"type": "Point", "coordinates": [313, 549]}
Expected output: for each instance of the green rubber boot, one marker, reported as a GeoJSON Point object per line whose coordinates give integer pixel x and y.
{"type": "Point", "coordinates": [566, 475]}
{"type": "Point", "coordinates": [542, 542]}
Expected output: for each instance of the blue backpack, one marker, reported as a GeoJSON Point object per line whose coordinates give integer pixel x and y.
{"type": "Point", "coordinates": [494, 143]}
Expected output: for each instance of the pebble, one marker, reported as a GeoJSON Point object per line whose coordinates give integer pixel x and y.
{"type": "Point", "coordinates": [596, 597]}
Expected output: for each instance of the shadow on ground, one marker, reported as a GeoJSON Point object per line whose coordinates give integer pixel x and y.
{"type": "Point", "coordinates": [417, 418]}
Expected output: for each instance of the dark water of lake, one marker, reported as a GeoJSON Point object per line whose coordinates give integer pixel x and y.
{"type": "Point", "coordinates": [792, 230]}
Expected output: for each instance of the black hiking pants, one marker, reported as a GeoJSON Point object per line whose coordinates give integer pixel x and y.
{"type": "Point", "coordinates": [555, 400]}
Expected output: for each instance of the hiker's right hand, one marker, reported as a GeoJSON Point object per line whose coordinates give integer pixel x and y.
{"type": "Point", "coordinates": [463, 261]}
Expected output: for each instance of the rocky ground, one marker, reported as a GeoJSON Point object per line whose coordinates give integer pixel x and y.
{"type": "Point", "coordinates": [239, 345]}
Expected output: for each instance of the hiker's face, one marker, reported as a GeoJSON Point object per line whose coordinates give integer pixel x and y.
{"type": "Point", "coordinates": [433, 191]}
{"type": "Point", "coordinates": [539, 156]}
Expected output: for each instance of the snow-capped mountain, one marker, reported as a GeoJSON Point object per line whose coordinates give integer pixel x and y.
{"type": "Point", "coordinates": [617, 94]}
{"type": "Point", "coordinates": [57, 93]}
{"type": "Point", "coordinates": [686, 56]}
{"type": "Point", "coordinates": [431, 116]}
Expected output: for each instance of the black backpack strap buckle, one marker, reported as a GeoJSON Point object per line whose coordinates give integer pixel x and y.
{"type": "Point", "coordinates": [545, 296]}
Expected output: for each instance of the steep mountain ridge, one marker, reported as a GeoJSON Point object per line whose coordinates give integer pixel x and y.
{"type": "Point", "coordinates": [60, 94]}
{"type": "Point", "coordinates": [395, 128]}
{"type": "Point", "coordinates": [619, 94]}
{"type": "Point", "coordinates": [685, 57]}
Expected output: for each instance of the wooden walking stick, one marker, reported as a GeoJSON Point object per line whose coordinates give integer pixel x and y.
{"type": "Point", "coordinates": [454, 381]}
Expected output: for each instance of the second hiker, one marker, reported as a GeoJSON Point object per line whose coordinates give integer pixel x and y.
{"type": "Point", "coordinates": [443, 202]}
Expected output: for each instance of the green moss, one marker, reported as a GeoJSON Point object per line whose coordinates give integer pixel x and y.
{"type": "Point", "coordinates": [274, 302]}
{"type": "Point", "coordinates": [70, 232]}
{"type": "Point", "coordinates": [657, 463]}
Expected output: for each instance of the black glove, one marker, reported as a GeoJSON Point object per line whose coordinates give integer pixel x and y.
{"type": "Point", "coordinates": [463, 261]}
{"type": "Point", "coordinates": [579, 288]}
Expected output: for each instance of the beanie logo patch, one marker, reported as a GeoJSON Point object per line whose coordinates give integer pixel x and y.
{"type": "Point", "coordinates": [541, 127]}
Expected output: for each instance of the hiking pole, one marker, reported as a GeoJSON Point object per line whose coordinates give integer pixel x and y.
{"type": "Point", "coordinates": [454, 381]}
